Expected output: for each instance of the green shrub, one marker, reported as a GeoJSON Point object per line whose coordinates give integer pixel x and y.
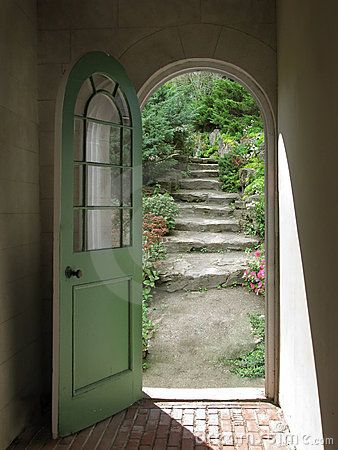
{"type": "Point", "coordinates": [229, 167]}
{"type": "Point", "coordinates": [227, 105]}
{"type": "Point", "coordinates": [255, 221]}
{"type": "Point", "coordinates": [257, 183]}
{"type": "Point", "coordinates": [256, 186]}
{"type": "Point", "coordinates": [167, 121]}
{"type": "Point", "coordinates": [244, 154]}
{"type": "Point", "coordinates": [161, 205]}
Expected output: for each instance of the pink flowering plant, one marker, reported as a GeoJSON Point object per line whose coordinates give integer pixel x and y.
{"type": "Point", "coordinates": [254, 275]}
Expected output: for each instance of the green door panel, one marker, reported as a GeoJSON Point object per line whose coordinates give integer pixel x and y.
{"type": "Point", "coordinates": [101, 327]}
{"type": "Point", "coordinates": [100, 242]}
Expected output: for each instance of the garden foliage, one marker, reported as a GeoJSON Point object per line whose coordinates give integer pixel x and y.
{"type": "Point", "coordinates": [252, 364]}
{"type": "Point", "coordinates": [161, 205]}
{"type": "Point", "coordinates": [177, 121]}
{"type": "Point", "coordinates": [155, 227]}
{"type": "Point", "coordinates": [254, 275]}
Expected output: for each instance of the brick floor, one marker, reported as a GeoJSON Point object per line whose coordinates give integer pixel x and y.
{"type": "Point", "coordinates": [174, 425]}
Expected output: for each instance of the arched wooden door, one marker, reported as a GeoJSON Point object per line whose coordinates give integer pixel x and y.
{"type": "Point", "coordinates": [98, 273]}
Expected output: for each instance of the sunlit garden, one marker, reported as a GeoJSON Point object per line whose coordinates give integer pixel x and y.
{"type": "Point", "coordinates": [203, 200]}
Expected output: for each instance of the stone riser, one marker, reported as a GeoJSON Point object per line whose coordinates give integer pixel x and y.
{"type": "Point", "coordinates": [214, 247]}
{"type": "Point", "coordinates": [196, 174]}
{"type": "Point", "coordinates": [192, 197]}
{"type": "Point", "coordinates": [208, 227]}
{"type": "Point", "coordinates": [204, 211]}
{"type": "Point", "coordinates": [178, 282]}
{"type": "Point", "coordinates": [204, 166]}
{"type": "Point", "coordinates": [198, 184]}
{"type": "Point", "coordinates": [205, 161]}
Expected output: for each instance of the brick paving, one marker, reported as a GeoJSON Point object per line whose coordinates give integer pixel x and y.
{"type": "Point", "coordinates": [174, 425]}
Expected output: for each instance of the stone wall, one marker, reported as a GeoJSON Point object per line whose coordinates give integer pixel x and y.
{"type": "Point", "coordinates": [21, 325]}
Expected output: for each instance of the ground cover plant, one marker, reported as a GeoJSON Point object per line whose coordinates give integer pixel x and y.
{"type": "Point", "coordinates": [161, 204]}
{"type": "Point", "coordinates": [250, 364]}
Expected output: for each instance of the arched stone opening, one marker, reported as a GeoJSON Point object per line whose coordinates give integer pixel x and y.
{"type": "Point", "coordinates": [179, 67]}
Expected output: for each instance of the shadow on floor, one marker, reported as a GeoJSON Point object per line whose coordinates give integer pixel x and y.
{"type": "Point", "coordinates": [149, 425]}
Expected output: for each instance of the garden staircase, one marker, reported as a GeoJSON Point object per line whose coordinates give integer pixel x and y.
{"type": "Point", "coordinates": [206, 250]}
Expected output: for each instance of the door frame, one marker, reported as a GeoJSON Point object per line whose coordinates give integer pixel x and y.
{"type": "Point", "coordinates": [272, 310]}
{"type": "Point", "coordinates": [56, 248]}
{"type": "Point", "coordinates": [272, 213]}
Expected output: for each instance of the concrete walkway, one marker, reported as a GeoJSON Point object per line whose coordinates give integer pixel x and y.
{"type": "Point", "coordinates": [194, 330]}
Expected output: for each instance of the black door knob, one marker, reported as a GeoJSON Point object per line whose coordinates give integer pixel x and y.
{"type": "Point", "coordinates": [69, 272]}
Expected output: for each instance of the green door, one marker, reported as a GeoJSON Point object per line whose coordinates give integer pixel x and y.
{"type": "Point", "coordinates": [97, 313]}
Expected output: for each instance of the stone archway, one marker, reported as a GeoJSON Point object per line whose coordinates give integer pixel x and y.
{"type": "Point", "coordinates": [176, 68]}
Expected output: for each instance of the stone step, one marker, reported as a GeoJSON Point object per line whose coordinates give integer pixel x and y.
{"type": "Point", "coordinates": [200, 183]}
{"type": "Point", "coordinates": [193, 241]}
{"type": "Point", "coordinates": [219, 198]}
{"type": "Point", "coordinates": [203, 161]}
{"type": "Point", "coordinates": [201, 271]}
{"type": "Point", "coordinates": [197, 166]}
{"type": "Point", "coordinates": [200, 173]}
{"type": "Point", "coordinates": [206, 224]}
{"type": "Point", "coordinates": [204, 209]}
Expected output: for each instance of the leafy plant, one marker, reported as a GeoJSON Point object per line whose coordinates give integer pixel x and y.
{"type": "Point", "coordinates": [179, 116]}
{"type": "Point", "coordinates": [251, 364]}
{"type": "Point", "coordinates": [258, 326]}
{"type": "Point", "coordinates": [255, 221]}
{"type": "Point", "coordinates": [229, 107]}
{"type": "Point", "coordinates": [256, 186]}
{"type": "Point", "coordinates": [154, 228]}
{"type": "Point", "coordinates": [150, 276]}
{"type": "Point", "coordinates": [168, 118]}
{"type": "Point", "coordinates": [162, 205]}
{"type": "Point", "coordinates": [229, 167]}
{"type": "Point", "coordinates": [243, 154]}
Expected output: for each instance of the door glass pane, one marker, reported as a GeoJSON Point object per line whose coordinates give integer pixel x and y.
{"type": "Point", "coordinates": [78, 185]}
{"type": "Point", "coordinates": [78, 230]}
{"type": "Point", "coordinates": [78, 139]}
{"type": "Point", "coordinates": [126, 220]}
{"type": "Point", "coordinates": [102, 82]}
{"type": "Point", "coordinates": [126, 152]}
{"type": "Point", "coordinates": [122, 104]}
{"type": "Point", "coordinates": [103, 186]}
{"type": "Point", "coordinates": [102, 107]}
{"type": "Point", "coordinates": [86, 91]}
{"type": "Point", "coordinates": [103, 143]}
{"type": "Point", "coordinates": [104, 229]}
{"type": "Point", "coordinates": [126, 187]}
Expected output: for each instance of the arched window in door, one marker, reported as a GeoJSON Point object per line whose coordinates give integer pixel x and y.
{"type": "Point", "coordinates": [102, 166]}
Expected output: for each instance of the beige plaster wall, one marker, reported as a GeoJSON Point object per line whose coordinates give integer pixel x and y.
{"type": "Point", "coordinates": [20, 300]}
{"type": "Point", "coordinates": [144, 36]}
{"type": "Point", "coordinates": [308, 117]}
